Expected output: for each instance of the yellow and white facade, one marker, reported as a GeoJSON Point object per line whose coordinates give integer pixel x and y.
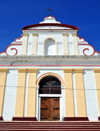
{"type": "Point", "coordinates": [50, 49]}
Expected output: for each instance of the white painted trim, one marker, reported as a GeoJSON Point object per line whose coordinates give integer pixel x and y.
{"type": "Point", "coordinates": [25, 97]}
{"type": "Point", "coordinates": [37, 103]}
{"type": "Point", "coordinates": [10, 95]}
{"type": "Point", "coordinates": [74, 94]}
{"type": "Point", "coordinates": [90, 93]}
{"type": "Point", "coordinates": [84, 93]}
{"type": "Point", "coordinates": [50, 95]}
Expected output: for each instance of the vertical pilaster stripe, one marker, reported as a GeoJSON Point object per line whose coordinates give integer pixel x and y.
{"type": "Point", "coordinates": [75, 43]}
{"type": "Point", "coordinates": [24, 44]}
{"type": "Point", "coordinates": [69, 103]}
{"type": "Point", "coordinates": [2, 87]}
{"type": "Point", "coordinates": [31, 101]}
{"type": "Point", "coordinates": [19, 107]}
{"type": "Point", "coordinates": [34, 43]}
{"type": "Point", "coordinates": [65, 43]}
{"type": "Point", "coordinates": [80, 93]}
{"type": "Point", "coordinates": [97, 82]}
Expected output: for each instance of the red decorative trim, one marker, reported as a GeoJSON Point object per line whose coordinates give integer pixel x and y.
{"type": "Point", "coordinates": [88, 49]}
{"type": "Point", "coordinates": [18, 37]}
{"type": "Point", "coordinates": [49, 29]}
{"type": "Point", "coordinates": [24, 119]}
{"type": "Point", "coordinates": [1, 118]}
{"type": "Point", "coordinates": [76, 119]}
{"type": "Point", "coordinates": [50, 65]}
{"type": "Point", "coordinates": [81, 38]}
{"type": "Point", "coordinates": [11, 49]}
{"type": "Point", "coordinates": [99, 118]}
{"type": "Point", "coordinates": [97, 52]}
{"type": "Point", "coordinates": [49, 24]}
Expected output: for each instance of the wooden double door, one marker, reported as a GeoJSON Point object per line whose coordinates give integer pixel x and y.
{"type": "Point", "coordinates": [50, 109]}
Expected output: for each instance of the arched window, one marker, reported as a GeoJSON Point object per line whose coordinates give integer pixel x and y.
{"type": "Point", "coordinates": [50, 47]}
{"type": "Point", "coordinates": [49, 85]}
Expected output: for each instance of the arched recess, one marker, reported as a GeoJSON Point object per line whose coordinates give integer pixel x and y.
{"type": "Point", "coordinates": [49, 85]}
{"type": "Point", "coordinates": [50, 74]}
{"type": "Point", "coordinates": [50, 47]}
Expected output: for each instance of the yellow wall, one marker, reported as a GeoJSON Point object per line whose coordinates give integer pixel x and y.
{"type": "Point", "coordinates": [2, 87]}
{"type": "Point", "coordinates": [80, 94]}
{"type": "Point", "coordinates": [19, 108]}
{"type": "Point", "coordinates": [97, 82]}
{"type": "Point", "coordinates": [69, 104]}
{"type": "Point", "coordinates": [31, 102]}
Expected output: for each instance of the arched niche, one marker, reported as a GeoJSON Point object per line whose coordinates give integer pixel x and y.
{"type": "Point", "coordinates": [50, 47]}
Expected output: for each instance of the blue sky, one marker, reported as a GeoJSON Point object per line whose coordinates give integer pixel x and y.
{"type": "Point", "coordinates": [85, 14]}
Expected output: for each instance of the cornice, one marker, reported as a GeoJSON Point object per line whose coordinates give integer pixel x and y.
{"type": "Point", "coordinates": [47, 58]}
{"type": "Point", "coordinates": [50, 61]}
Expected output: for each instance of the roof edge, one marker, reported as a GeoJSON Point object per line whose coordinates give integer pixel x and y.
{"type": "Point", "coordinates": [50, 24]}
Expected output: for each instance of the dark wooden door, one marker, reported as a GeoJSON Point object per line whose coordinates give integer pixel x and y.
{"type": "Point", "coordinates": [50, 109]}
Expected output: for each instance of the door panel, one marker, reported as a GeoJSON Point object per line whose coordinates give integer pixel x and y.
{"type": "Point", "coordinates": [50, 109]}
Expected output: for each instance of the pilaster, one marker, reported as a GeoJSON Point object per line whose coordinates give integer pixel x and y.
{"type": "Point", "coordinates": [65, 43]}
{"type": "Point", "coordinates": [3, 73]}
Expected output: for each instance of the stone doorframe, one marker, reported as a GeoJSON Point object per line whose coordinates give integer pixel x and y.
{"type": "Point", "coordinates": [61, 96]}
{"type": "Point", "coordinates": [38, 107]}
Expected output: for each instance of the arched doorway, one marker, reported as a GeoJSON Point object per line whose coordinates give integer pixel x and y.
{"type": "Point", "coordinates": [50, 88]}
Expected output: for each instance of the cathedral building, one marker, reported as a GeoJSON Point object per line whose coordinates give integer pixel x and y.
{"type": "Point", "coordinates": [50, 74]}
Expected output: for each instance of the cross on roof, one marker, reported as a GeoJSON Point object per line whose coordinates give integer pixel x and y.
{"type": "Point", "coordinates": [49, 10]}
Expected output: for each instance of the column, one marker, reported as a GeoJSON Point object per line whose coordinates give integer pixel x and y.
{"type": "Point", "coordinates": [97, 83]}
{"type": "Point", "coordinates": [80, 95]}
{"type": "Point", "coordinates": [34, 43]}
{"type": "Point", "coordinates": [20, 95]}
{"type": "Point", "coordinates": [37, 103]}
{"type": "Point", "coordinates": [24, 44]}
{"type": "Point", "coordinates": [31, 100]}
{"type": "Point", "coordinates": [65, 43]}
{"type": "Point", "coordinates": [69, 100]}
{"type": "Point", "coordinates": [3, 72]}
{"type": "Point", "coordinates": [75, 44]}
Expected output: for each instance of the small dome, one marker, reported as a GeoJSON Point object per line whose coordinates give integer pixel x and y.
{"type": "Point", "coordinates": [49, 19]}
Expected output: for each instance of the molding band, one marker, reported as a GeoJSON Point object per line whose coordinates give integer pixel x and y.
{"type": "Point", "coordinates": [24, 119]}
{"type": "Point", "coordinates": [1, 118]}
{"type": "Point", "coordinates": [76, 119]}
{"type": "Point", "coordinates": [99, 118]}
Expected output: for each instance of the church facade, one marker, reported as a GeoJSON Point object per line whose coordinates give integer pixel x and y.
{"type": "Point", "coordinates": [50, 74]}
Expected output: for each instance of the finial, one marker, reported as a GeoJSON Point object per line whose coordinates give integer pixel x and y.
{"type": "Point", "coordinates": [49, 10]}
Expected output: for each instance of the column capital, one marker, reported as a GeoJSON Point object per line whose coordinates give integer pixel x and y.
{"type": "Point", "coordinates": [32, 70]}
{"type": "Point", "coordinates": [25, 34]}
{"type": "Point", "coordinates": [3, 69]}
{"type": "Point", "coordinates": [22, 70]}
{"type": "Point", "coordinates": [78, 70]}
{"type": "Point", "coordinates": [96, 70]}
{"type": "Point", "coordinates": [34, 34]}
{"type": "Point", "coordinates": [65, 34]}
{"type": "Point", "coordinates": [75, 34]}
{"type": "Point", "coordinates": [67, 70]}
